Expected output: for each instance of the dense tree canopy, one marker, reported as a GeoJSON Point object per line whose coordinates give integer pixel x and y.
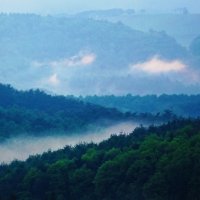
{"type": "Point", "coordinates": [158, 162]}
{"type": "Point", "coordinates": [34, 112]}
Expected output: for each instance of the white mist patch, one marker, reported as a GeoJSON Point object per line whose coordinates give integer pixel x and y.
{"type": "Point", "coordinates": [21, 148]}
{"type": "Point", "coordinates": [78, 60]}
{"type": "Point", "coordinates": [159, 66]}
{"type": "Point", "coordinates": [37, 64]}
{"type": "Point", "coordinates": [54, 80]}
{"type": "Point", "coordinates": [67, 76]}
{"type": "Point", "coordinates": [55, 75]}
{"type": "Point", "coordinates": [81, 59]}
{"type": "Point", "coordinates": [175, 71]}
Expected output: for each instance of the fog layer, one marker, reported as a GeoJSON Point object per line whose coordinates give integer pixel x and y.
{"type": "Point", "coordinates": [21, 147]}
{"type": "Point", "coordinates": [80, 77]}
{"type": "Point", "coordinates": [69, 6]}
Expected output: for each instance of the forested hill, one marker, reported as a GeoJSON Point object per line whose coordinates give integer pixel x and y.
{"type": "Point", "coordinates": [36, 113]}
{"type": "Point", "coordinates": [150, 163]}
{"type": "Point", "coordinates": [34, 37]}
{"type": "Point", "coordinates": [183, 27]}
{"type": "Point", "coordinates": [181, 105]}
{"type": "Point", "coordinates": [79, 56]}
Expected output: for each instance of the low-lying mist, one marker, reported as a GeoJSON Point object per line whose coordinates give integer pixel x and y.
{"type": "Point", "coordinates": [79, 75]}
{"type": "Point", "coordinates": [21, 147]}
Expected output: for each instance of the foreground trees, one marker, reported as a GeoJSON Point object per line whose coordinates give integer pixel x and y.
{"type": "Point", "coordinates": [158, 162]}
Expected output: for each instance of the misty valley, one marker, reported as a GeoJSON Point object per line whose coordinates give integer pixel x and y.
{"type": "Point", "coordinates": [81, 56]}
{"type": "Point", "coordinates": [95, 107]}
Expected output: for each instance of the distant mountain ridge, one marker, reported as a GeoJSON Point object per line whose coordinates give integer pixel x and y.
{"type": "Point", "coordinates": [182, 105]}
{"type": "Point", "coordinates": [183, 27]}
{"type": "Point", "coordinates": [48, 52]}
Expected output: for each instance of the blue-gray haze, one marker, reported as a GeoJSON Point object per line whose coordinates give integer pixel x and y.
{"type": "Point", "coordinates": [73, 6]}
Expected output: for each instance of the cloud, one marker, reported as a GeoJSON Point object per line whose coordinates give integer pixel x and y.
{"type": "Point", "coordinates": [74, 75]}
{"type": "Point", "coordinates": [156, 66]}
{"type": "Point", "coordinates": [174, 71]}
{"type": "Point", "coordinates": [73, 6]}
{"type": "Point", "coordinates": [54, 80]}
{"type": "Point", "coordinates": [37, 64]}
{"type": "Point", "coordinates": [80, 59]}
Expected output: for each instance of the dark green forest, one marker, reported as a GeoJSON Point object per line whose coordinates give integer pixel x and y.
{"type": "Point", "coordinates": [151, 162]}
{"type": "Point", "coordinates": [36, 113]}
{"type": "Point", "coordinates": [158, 162]}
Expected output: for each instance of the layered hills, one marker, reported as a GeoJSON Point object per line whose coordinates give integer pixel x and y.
{"type": "Point", "coordinates": [66, 54]}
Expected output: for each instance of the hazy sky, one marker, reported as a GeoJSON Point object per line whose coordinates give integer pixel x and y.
{"type": "Point", "coordinates": [73, 6]}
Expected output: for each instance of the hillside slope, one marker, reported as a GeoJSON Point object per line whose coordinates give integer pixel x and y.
{"type": "Point", "coordinates": [66, 55]}
{"type": "Point", "coordinates": [35, 113]}
{"type": "Point", "coordinates": [181, 105]}
{"type": "Point", "coordinates": [183, 27]}
{"type": "Point", "coordinates": [149, 163]}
